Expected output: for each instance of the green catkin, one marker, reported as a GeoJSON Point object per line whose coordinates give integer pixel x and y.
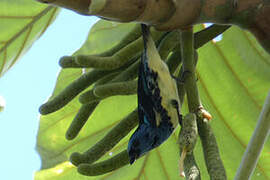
{"type": "Point", "coordinates": [188, 133]}
{"type": "Point", "coordinates": [118, 88]}
{"type": "Point", "coordinates": [167, 44]}
{"type": "Point", "coordinates": [132, 71]}
{"type": "Point", "coordinates": [173, 61]}
{"type": "Point", "coordinates": [68, 62]}
{"type": "Point", "coordinates": [108, 141]}
{"type": "Point", "coordinates": [191, 168]}
{"type": "Point", "coordinates": [212, 158]}
{"type": "Point", "coordinates": [111, 89]}
{"type": "Point", "coordinates": [88, 97]}
{"type": "Point", "coordinates": [106, 79]}
{"type": "Point", "coordinates": [80, 119]}
{"type": "Point", "coordinates": [106, 166]}
{"type": "Point", "coordinates": [187, 141]}
{"type": "Point", "coordinates": [118, 59]}
{"type": "Point", "coordinates": [134, 34]}
{"type": "Point", "coordinates": [71, 91]}
{"type": "Point", "coordinates": [129, 74]}
{"type": "Point", "coordinates": [105, 63]}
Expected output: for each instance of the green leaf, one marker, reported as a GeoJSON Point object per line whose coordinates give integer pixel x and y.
{"type": "Point", "coordinates": [233, 79]}
{"type": "Point", "coordinates": [22, 22]}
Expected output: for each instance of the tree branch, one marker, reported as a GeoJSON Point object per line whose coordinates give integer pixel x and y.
{"type": "Point", "coordinates": [169, 15]}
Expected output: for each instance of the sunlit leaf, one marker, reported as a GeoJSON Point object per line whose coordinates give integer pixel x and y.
{"type": "Point", "coordinates": [22, 22]}
{"type": "Point", "coordinates": [233, 79]}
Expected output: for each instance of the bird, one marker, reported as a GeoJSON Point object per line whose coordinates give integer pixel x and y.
{"type": "Point", "coordinates": [158, 101]}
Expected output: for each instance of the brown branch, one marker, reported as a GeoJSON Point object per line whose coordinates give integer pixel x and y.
{"type": "Point", "coordinates": [166, 15]}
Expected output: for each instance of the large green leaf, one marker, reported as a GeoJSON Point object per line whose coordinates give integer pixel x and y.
{"type": "Point", "coordinates": [21, 23]}
{"type": "Point", "coordinates": [234, 78]}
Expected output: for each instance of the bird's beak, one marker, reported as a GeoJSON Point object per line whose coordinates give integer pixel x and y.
{"type": "Point", "coordinates": [132, 159]}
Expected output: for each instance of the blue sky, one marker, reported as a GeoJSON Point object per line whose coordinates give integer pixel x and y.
{"type": "Point", "coordinates": [27, 85]}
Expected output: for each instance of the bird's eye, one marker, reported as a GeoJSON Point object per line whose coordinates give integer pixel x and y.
{"type": "Point", "coordinates": [150, 85]}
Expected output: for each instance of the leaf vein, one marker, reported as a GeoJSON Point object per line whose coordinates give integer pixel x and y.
{"type": "Point", "coordinates": [22, 46]}
{"type": "Point", "coordinates": [142, 168]}
{"type": "Point", "coordinates": [15, 17]}
{"type": "Point", "coordinates": [3, 64]}
{"type": "Point", "coordinates": [225, 60]}
{"type": "Point", "coordinates": [223, 120]}
{"type": "Point", "coordinates": [162, 164]}
{"type": "Point", "coordinates": [30, 24]}
{"type": "Point", "coordinates": [256, 49]}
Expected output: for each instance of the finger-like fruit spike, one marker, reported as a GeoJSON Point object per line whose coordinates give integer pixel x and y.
{"type": "Point", "coordinates": [106, 166]}
{"type": "Point", "coordinates": [108, 90]}
{"type": "Point", "coordinates": [80, 119]}
{"type": "Point", "coordinates": [187, 141]}
{"type": "Point", "coordinates": [76, 158]}
{"type": "Point", "coordinates": [71, 91]}
{"type": "Point", "coordinates": [68, 62]}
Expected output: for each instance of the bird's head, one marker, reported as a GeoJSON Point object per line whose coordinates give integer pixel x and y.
{"type": "Point", "coordinates": [145, 138]}
{"type": "Point", "coordinates": [142, 140]}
